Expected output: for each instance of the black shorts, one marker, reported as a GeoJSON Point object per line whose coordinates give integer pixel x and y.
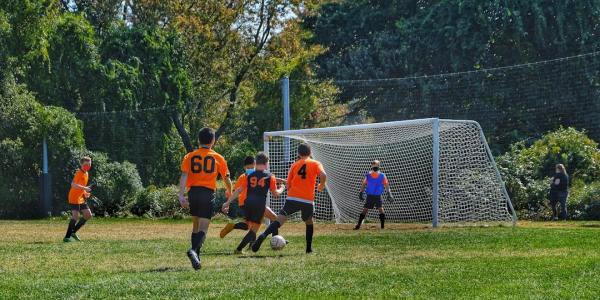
{"type": "Point", "coordinates": [79, 207]}
{"type": "Point", "coordinates": [292, 206]}
{"type": "Point", "coordinates": [254, 211]}
{"type": "Point", "coordinates": [373, 201]}
{"type": "Point", "coordinates": [201, 202]}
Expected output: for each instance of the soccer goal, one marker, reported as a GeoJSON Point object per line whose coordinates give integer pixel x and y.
{"type": "Point", "coordinates": [440, 171]}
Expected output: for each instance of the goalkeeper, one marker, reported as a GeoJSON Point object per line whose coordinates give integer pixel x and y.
{"type": "Point", "coordinates": [374, 185]}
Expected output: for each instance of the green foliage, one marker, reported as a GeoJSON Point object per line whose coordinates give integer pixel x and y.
{"type": "Point", "coordinates": [156, 202]}
{"type": "Point", "coordinates": [115, 184]}
{"type": "Point", "coordinates": [527, 170]}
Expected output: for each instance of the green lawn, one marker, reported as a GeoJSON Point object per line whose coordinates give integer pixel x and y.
{"type": "Point", "coordinates": [146, 259]}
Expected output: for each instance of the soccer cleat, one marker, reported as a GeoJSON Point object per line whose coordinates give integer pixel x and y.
{"type": "Point", "coordinates": [194, 259]}
{"type": "Point", "coordinates": [236, 251]}
{"type": "Point", "coordinates": [75, 237]}
{"type": "Point", "coordinates": [256, 245]}
{"type": "Point", "coordinates": [68, 240]}
{"type": "Point", "coordinates": [356, 227]}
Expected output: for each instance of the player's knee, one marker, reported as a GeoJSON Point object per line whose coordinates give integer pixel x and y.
{"type": "Point", "coordinates": [309, 221]}
{"type": "Point", "coordinates": [75, 215]}
{"type": "Point", "coordinates": [87, 215]}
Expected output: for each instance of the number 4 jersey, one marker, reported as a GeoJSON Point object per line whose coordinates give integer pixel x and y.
{"type": "Point", "coordinates": [302, 179]}
{"type": "Point", "coordinates": [203, 167]}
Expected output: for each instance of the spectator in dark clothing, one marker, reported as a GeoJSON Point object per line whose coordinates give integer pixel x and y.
{"type": "Point", "coordinates": [559, 191]}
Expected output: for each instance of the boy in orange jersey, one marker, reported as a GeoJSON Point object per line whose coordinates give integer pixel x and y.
{"type": "Point", "coordinates": [249, 167]}
{"type": "Point", "coordinates": [256, 186]}
{"type": "Point", "coordinates": [301, 181]}
{"type": "Point", "coordinates": [78, 194]}
{"type": "Point", "coordinates": [199, 172]}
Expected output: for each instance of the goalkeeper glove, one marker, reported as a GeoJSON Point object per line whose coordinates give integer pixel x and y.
{"type": "Point", "coordinates": [361, 196]}
{"type": "Point", "coordinates": [390, 198]}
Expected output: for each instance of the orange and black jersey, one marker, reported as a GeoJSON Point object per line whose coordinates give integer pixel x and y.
{"type": "Point", "coordinates": [257, 186]}
{"type": "Point", "coordinates": [203, 166]}
{"type": "Point", "coordinates": [302, 179]}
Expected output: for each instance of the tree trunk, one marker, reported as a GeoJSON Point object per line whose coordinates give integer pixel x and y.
{"type": "Point", "coordinates": [185, 137]}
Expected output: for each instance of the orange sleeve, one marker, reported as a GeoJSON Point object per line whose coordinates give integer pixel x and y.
{"type": "Point", "coordinates": [241, 180]}
{"type": "Point", "coordinates": [244, 183]}
{"type": "Point", "coordinates": [318, 168]}
{"type": "Point", "coordinates": [223, 170]}
{"type": "Point", "coordinates": [273, 184]}
{"type": "Point", "coordinates": [185, 165]}
{"type": "Point", "coordinates": [78, 178]}
{"type": "Point", "coordinates": [291, 175]}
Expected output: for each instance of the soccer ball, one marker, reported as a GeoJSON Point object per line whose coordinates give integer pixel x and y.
{"type": "Point", "coordinates": [277, 242]}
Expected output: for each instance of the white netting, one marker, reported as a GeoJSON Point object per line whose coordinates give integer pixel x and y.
{"type": "Point", "coordinates": [469, 186]}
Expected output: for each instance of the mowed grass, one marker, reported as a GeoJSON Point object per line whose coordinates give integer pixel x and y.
{"type": "Point", "coordinates": [146, 259]}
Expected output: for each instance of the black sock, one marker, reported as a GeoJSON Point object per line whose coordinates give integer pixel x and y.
{"type": "Point", "coordinates": [250, 237]}
{"type": "Point", "coordinates": [382, 219]}
{"type": "Point", "coordinates": [79, 225]}
{"type": "Point", "coordinates": [274, 227]}
{"type": "Point", "coordinates": [360, 219]}
{"type": "Point", "coordinates": [276, 231]}
{"type": "Point", "coordinates": [309, 236]}
{"type": "Point", "coordinates": [70, 228]}
{"type": "Point", "coordinates": [240, 225]}
{"type": "Point", "coordinates": [198, 240]}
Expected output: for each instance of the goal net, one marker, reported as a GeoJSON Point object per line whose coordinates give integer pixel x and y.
{"type": "Point", "coordinates": [439, 170]}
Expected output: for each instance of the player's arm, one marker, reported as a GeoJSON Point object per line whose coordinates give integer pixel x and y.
{"type": "Point", "coordinates": [80, 187]}
{"type": "Point", "coordinates": [224, 171]}
{"type": "Point", "coordinates": [363, 185]}
{"type": "Point", "coordinates": [182, 187]}
{"type": "Point", "coordinates": [290, 178]}
{"type": "Point", "coordinates": [386, 184]}
{"type": "Point", "coordinates": [275, 190]}
{"type": "Point", "coordinates": [236, 193]}
{"type": "Point", "coordinates": [322, 178]}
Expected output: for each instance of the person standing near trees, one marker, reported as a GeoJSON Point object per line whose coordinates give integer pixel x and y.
{"type": "Point", "coordinates": [559, 191]}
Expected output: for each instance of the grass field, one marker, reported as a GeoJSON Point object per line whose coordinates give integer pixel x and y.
{"type": "Point", "coordinates": [146, 259]}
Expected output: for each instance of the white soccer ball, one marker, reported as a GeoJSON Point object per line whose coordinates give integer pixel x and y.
{"type": "Point", "coordinates": [277, 242]}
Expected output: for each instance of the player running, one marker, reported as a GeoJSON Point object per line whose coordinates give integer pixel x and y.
{"type": "Point", "coordinates": [78, 194]}
{"type": "Point", "coordinates": [249, 167]}
{"type": "Point", "coordinates": [199, 172]}
{"type": "Point", "coordinates": [375, 183]}
{"type": "Point", "coordinates": [256, 186]}
{"type": "Point", "coordinates": [301, 182]}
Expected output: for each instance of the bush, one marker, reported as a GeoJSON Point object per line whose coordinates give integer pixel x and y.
{"type": "Point", "coordinates": [527, 171]}
{"type": "Point", "coordinates": [116, 185]}
{"type": "Point", "coordinates": [157, 202]}
{"type": "Point", "coordinates": [584, 202]}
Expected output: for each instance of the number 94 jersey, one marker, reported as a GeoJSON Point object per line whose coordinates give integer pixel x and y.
{"type": "Point", "coordinates": [203, 167]}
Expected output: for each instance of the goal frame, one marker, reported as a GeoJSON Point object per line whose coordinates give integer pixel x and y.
{"type": "Point", "coordinates": [435, 122]}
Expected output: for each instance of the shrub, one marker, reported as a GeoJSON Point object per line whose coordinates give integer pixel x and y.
{"type": "Point", "coordinates": [527, 171]}
{"type": "Point", "coordinates": [157, 202]}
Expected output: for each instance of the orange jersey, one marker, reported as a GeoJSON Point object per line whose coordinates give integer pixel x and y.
{"type": "Point", "coordinates": [241, 181]}
{"type": "Point", "coordinates": [302, 179]}
{"type": "Point", "coordinates": [203, 166]}
{"type": "Point", "coordinates": [76, 196]}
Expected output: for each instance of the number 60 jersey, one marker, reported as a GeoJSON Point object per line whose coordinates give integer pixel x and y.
{"type": "Point", "coordinates": [203, 167]}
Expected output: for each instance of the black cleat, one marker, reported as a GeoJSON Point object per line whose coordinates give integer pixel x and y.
{"type": "Point", "coordinates": [194, 259]}
{"type": "Point", "coordinates": [256, 245]}
{"type": "Point", "coordinates": [356, 227]}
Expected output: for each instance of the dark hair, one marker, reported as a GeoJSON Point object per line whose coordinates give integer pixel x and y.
{"type": "Point", "coordinates": [249, 160]}
{"type": "Point", "coordinates": [304, 149]}
{"type": "Point", "coordinates": [262, 158]}
{"type": "Point", "coordinates": [206, 136]}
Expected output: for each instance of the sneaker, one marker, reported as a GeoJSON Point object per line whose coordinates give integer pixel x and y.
{"type": "Point", "coordinates": [68, 240]}
{"type": "Point", "coordinates": [256, 245]}
{"type": "Point", "coordinates": [194, 259]}
{"type": "Point", "coordinates": [226, 230]}
{"type": "Point", "coordinates": [75, 237]}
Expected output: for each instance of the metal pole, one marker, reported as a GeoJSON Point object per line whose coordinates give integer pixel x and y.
{"type": "Point", "coordinates": [436, 173]}
{"type": "Point", "coordinates": [285, 93]}
{"type": "Point", "coordinates": [266, 151]}
{"type": "Point", "coordinates": [45, 184]}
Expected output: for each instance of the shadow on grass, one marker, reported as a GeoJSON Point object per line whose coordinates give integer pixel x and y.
{"type": "Point", "coordinates": [257, 256]}
{"type": "Point", "coordinates": [590, 225]}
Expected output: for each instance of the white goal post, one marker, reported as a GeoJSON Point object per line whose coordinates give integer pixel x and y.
{"type": "Point", "coordinates": [440, 171]}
